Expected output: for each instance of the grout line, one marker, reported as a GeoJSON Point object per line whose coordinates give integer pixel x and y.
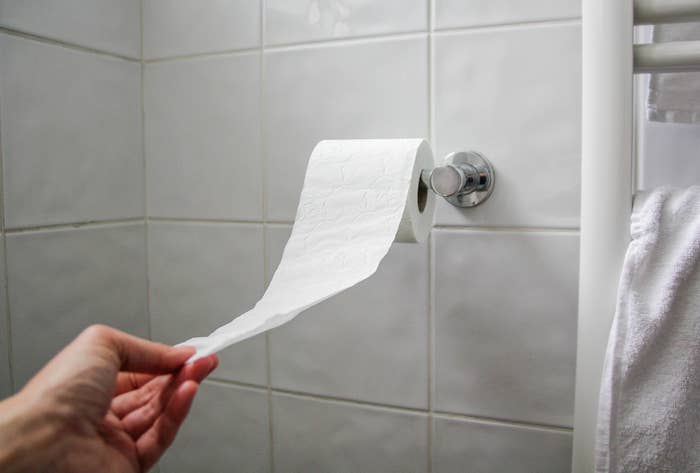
{"type": "Point", "coordinates": [203, 55]}
{"type": "Point", "coordinates": [394, 408]}
{"type": "Point", "coordinates": [272, 223]}
{"type": "Point", "coordinates": [142, 35]}
{"type": "Point", "coordinates": [431, 347]}
{"type": "Point", "coordinates": [74, 225]}
{"type": "Point", "coordinates": [8, 321]}
{"type": "Point", "coordinates": [278, 223]}
{"type": "Point", "coordinates": [285, 223]}
{"type": "Point", "coordinates": [431, 276]}
{"type": "Point", "coordinates": [206, 220]}
{"type": "Point", "coordinates": [236, 384]}
{"type": "Point", "coordinates": [5, 271]}
{"type": "Point", "coordinates": [268, 391]}
{"type": "Point", "coordinates": [431, 88]}
{"type": "Point", "coordinates": [57, 42]}
{"type": "Point", "coordinates": [507, 25]}
{"type": "Point", "coordinates": [502, 422]}
{"type": "Point", "coordinates": [348, 401]}
{"type": "Point", "coordinates": [435, 414]}
{"type": "Point", "coordinates": [144, 177]}
{"type": "Point", "coordinates": [346, 40]}
{"type": "Point", "coordinates": [263, 189]}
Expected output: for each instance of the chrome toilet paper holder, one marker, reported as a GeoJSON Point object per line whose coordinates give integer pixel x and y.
{"type": "Point", "coordinates": [466, 180]}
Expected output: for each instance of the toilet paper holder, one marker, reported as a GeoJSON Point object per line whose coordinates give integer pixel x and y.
{"type": "Point", "coordinates": [466, 180]}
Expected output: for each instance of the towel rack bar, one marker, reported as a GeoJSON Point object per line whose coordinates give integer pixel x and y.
{"type": "Point", "coordinates": [606, 204]}
{"type": "Point", "coordinates": [677, 56]}
{"type": "Point", "coordinates": [650, 12]}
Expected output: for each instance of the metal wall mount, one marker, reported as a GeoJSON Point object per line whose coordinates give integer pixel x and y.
{"type": "Point", "coordinates": [466, 180]}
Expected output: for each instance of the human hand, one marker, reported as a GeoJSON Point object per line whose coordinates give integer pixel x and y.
{"type": "Point", "coordinates": [99, 406]}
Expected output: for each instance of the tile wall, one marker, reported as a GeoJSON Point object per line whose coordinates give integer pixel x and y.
{"type": "Point", "coordinates": [73, 231]}
{"type": "Point", "coordinates": [152, 157]}
{"type": "Point", "coordinates": [459, 353]}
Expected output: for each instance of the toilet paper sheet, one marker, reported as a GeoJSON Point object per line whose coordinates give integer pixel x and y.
{"type": "Point", "coordinates": [358, 197]}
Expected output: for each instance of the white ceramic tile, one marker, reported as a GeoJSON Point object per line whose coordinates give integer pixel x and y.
{"type": "Point", "coordinates": [367, 90]}
{"type": "Point", "coordinates": [505, 324]}
{"type": "Point", "coordinates": [461, 13]}
{"type": "Point", "coordinates": [368, 343]}
{"type": "Point", "coordinates": [203, 138]}
{"type": "Point", "coordinates": [294, 21]}
{"type": "Point", "coordinates": [5, 378]}
{"type": "Point", "coordinates": [514, 94]}
{"type": "Point", "coordinates": [201, 277]}
{"type": "Point", "coordinates": [107, 25]}
{"type": "Point", "coordinates": [71, 135]}
{"type": "Point", "coordinates": [61, 281]}
{"type": "Point", "coordinates": [323, 436]}
{"type": "Point", "coordinates": [461, 445]}
{"type": "Point", "coordinates": [180, 27]}
{"type": "Point", "coordinates": [226, 430]}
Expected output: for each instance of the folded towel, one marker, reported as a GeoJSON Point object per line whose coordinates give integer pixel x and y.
{"type": "Point", "coordinates": [675, 97]}
{"type": "Point", "coordinates": [649, 409]}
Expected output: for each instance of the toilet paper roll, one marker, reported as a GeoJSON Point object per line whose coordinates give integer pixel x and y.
{"type": "Point", "coordinates": [359, 196]}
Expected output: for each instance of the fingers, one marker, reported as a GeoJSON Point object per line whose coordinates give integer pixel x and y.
{"type": "Point", "coordinates": [130, 401]}
{"type": "Point", "coordinates": [127, 381]}
{"type": "Point", "coordinates": [136, 354]}
{"type": "Point", "coordinates": [141, 415]}
{"type": "Point", "coordinates": [158, 438]}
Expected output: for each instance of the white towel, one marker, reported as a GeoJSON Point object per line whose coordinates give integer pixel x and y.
{"type": "Point", "coordinates": [649, 410]}
{"type": "Point", "coordinates": [675, 97]}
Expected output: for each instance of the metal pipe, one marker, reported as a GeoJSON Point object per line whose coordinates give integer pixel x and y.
{"type": "Point", "coordinates": [651, 12]}
{"type": "Point", "coordinates": [606, 198]}
{"type": "Point", "coordinates": [677, 56]}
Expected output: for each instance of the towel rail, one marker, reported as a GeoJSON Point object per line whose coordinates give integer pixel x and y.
{"type": "Point", "coordinates": [677, 56]}
{"type": "Point", "coordinates": [609, 61]}
{"type": "Point", "coordinates": [606, 200]}
{"type": "Point", "coordinates": [650, 12]}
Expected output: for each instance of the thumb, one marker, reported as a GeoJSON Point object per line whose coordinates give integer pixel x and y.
{"type": "Point", "coordinates": [136, 354]}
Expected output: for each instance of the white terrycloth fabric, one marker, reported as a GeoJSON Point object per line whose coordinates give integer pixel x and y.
{"type": "Point", "coordinates": [649, 411]}
{"type": "Point", "coordinates": [675, 97]}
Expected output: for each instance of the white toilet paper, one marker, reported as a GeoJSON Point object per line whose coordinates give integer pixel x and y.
{"type": "Point", "coordinates": [358, 197]}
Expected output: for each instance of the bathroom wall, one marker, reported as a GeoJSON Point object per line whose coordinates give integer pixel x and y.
{"type": "Point", "coordinates": [152, 157]}
{"type": "Point", "coordinates": [71, 136]}
{"type": "Point", "coordinates": [458, 355]}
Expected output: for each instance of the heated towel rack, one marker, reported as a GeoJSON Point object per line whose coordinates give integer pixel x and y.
{"type": "Point", "coordinates": [607, 181]}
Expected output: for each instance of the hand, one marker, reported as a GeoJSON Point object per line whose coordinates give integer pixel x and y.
{"type": "Point", "coordinates": [99, 406]}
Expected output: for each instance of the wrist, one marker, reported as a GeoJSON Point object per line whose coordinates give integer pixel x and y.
{"type": "Point", "coordinates": [29, 435]}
